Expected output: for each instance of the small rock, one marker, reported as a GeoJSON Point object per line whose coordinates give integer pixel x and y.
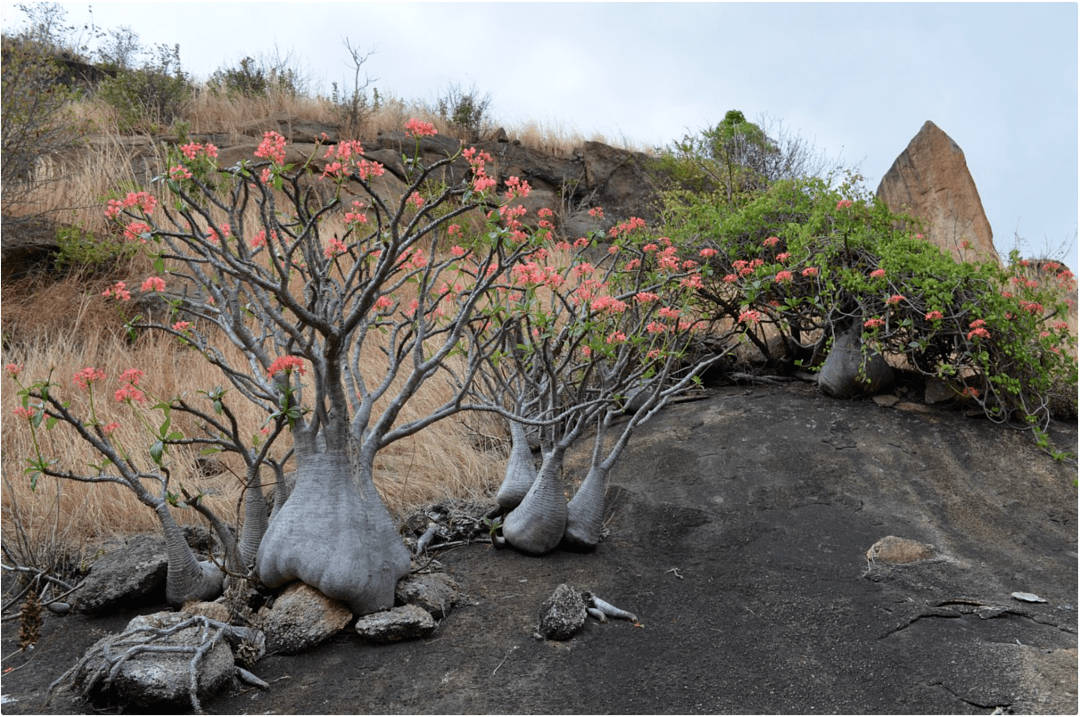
{"type": "Point", "coordinates": [937, 391]}
{"type": "Point", "coordinates": [213, 610]}
{"type": "Point", "coordinates": [129, 574]}
{"type": "Point", "coordinates": [892, 549]}
{"type": "Point", "coordinates": [562, 615]}
{"type": "Point", "coordinates": [402, 623]}
{"type": "Point", "coordinates": [436, 593]}
{"type": "Point", "coordinates": [1028, 597]}
{"type": "Point", "coordinates": [301, 618]}
{"type": "Point", "coordinates": [886, 400]}
{"type": "Point", "coordinates": [150, 679]}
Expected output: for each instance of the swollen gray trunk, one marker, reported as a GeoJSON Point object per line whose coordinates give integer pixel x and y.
{"type": "Point", "coordinates": [187, 579]}
{"type": "Point", "coordinates": [538, 523]}
{"type": "Point", "coordinates": [335, 534]}
{"type": "Point", "coordinates": [847, 372]}
{"type": "Point", "coordinates": [520, 471]}
{"type": "Point", "coordinates": [585, 513]}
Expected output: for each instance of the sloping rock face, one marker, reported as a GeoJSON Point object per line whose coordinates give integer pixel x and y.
{"type": "Point", "coordinates": [930, 180]}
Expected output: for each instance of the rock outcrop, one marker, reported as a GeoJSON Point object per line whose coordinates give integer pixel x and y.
{"type": "Point", "coordinates": [930, 180]}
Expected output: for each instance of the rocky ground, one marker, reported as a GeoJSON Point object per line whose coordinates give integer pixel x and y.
{"type": "Point", "coordinates": [741, 535]}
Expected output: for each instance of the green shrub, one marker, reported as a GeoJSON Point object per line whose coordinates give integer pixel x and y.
{"type": "Point", "coordinates": [88, 254]}
{"type": "Point", "coordinates": [811, 262]}
{"type": "Point", "coordinates": [255, 78]}
{"type": "Point", "coordinates": [149, 97]}
{"type": "Point", "coordinates": [465, 111]}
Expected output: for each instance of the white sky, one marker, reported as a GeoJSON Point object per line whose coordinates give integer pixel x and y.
{"type": "Point", "coordinates": [856, 79]}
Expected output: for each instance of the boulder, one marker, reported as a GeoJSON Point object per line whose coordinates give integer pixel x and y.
{"type": "Point", "coordinates": [134, 571]}
{"type": "Point", "coordinates": [562, 615]}
{"type": "Point", "coordinates": [930, 180]}
{"type": "Point", "coordinates": [900, 551]}
{"type": "Point", "coordinates": [848, 373]}
{"type": "Point", "coordinates": [402, 623]}
{"type": "Point", "coordinates": [436, 593]}
{"type": "Point", "coordinates": [301, 618]}
{"type": "Point", "coordinates": [155, 678]}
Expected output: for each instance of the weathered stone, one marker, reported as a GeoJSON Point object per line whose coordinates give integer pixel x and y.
{"type": "Point", "coordinates": [848, 373]}
{"type": "Point", "coordinates": [436, 593]}
{"type": "Point", "coordinates": [930, 180]}
{"type": "Point", "coordinates": [937, 391]}
{"type": "Point", "coordinates": [402, 623]}
{"type": "Point", "coordinates": [132, 572]}
{"type": "Point", "coordinates": [151, 679]}
{"type": "Point", "coordinates": [562, 615]}
{"type": "Point", "coordinates": [886, 400]}
{"type": "Point", "coordinates": [892, 549]}
{"type": "Point", "coordinates": [301, 618]}
{"type": "Point", "coordinates": [213, 610]}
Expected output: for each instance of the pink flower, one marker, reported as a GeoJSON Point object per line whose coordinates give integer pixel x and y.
{"type": "Point", "coordinates": [708, 252]}
{"type": "Point", "coordinates": [416, 200]}
{"type": "Point", "coordinates": [179, 172]}
{"type": "Point", "coordinates": [894, 299]}
{"type": "Point", "coordinates": [655, 327]}
{"type": "Point", "coordinates": [668, 313]}
{"type": "Point", "coordinates": [335, 247]}
{"type": "Point", "coordinates": [630, 225]}
{"type": "Point", "coordinates": [153, 283]}
{"type": "Point", "coordinates": [692, 282]}
{"type": "Point", "coordinates": [730, 279]}
{"type": "Point", "coordinates": [644, 297]}
{"type": "Point", "coordinates": [877, 273]}
{"type": "Point", "coordinates": [259, 239]}
{"type": "Point", "coordinates": [616, 337]}
{"type": "Point", "coordinates": [782, 276]}
{"type": "Point", "coordinates": [128, 392]}
{"type": "Point", "coordinates": [976, 324]}
{"type": "Point", "coordinates": [135, 230]}
{"type": "Point", "coordinates": [418, 128]}
{"type": "Point", "coordinates": [272, 147]}
{"type": "Point", "coordinates": [609, 304]}
{"type": "Point", "coordinates": [181, 326]}
{"type": "Point", "coordinates": [979, 333]}
{"type": "Point", "coordinates": [783, 256]}
{"type": "Point", "coordinates": [88, 375]}
{"type": "Point", "coordinates": [515, 188]}
{"type": "Point", "coordinates": [287, 364]}
{"type": "Point", "coordinates": [771, 241]}
{"type": "Point", "coordinates": [970, 392]}
{"type": "Point", "coordinates": [132, 376]}
{"type": "Point", "coordinates": [457, 251]}
{"type": "Point", "coordinates": [1032, 307]}
{"type": "Point", "coordinates": [843, 204]}
{"type": "Point", "coordinates": [810, 271]}
{"type": "Point", "coordinates": [117, 291]}
{"type": "Point", "coordinates": [596, 213]}
{"type": "Point", "coordinates": [22, 412]}
{"type": "Point", "coordinates": [13, 369]}
{"type": "Point", "coordinates": [934, 316]}
{"type": "Point", "coordinates": [873, 323]}
{"type": "Point", "coordinates": [383, 303]}
{"type": "Point", "coordinates": [749, 317]}
{"type": "Point", "coordinates": [108, 428]}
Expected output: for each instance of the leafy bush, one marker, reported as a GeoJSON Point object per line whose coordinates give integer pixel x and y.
{"type": "Point", "coordinates": [35, 119]}
{"type": "Point", "coordinates": [811, 262]}
{"type": "Point", "coordinates": [256, 78]}
{"type": "Point", "coordinates": [151, 96]}
{"type": "Point", "coordinates": [83, 252]}
{"type": "Point", "coordinates": [465, 111]}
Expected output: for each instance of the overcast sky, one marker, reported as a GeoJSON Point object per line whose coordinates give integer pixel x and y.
{"type": "Point", "coordinates": [858, 80]}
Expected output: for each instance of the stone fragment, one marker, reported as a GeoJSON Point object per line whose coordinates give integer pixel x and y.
{"type": "Point", "coordinates": [930, 180]}
{"type": "Point", "coordinates": [408, 622]}
{"type": "Point", "coordinates": [152, 679]}
{"type": "Point", "coordinates": [900, 551]}
{"type": "Point", "coordinates": [213, 610]}
{"type": "Point", "coordinates": [562, 615]}
{"type": "Point", "coordinates": [301, 618]}
{"type": "Point", "coordinates": [886, 400]}
{"type": "Point", "coordinates": [133, 572]}
{"type": "Point", "coordinates": [937, 391]}
{"type": "Point", "coordinates": [436, 593]}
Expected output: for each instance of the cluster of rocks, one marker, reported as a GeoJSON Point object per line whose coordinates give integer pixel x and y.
{"type": "Point", "coordinates": [151, 661]}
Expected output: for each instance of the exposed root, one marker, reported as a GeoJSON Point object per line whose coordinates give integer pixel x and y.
{"type": "Point", "coordinates": [610, 610]}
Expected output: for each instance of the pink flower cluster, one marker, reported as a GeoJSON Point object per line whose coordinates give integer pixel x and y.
{"type": "Point", "coordinates": [143, 200]}
{"type": "Point", "coordinates": [749, 317]}
{"type": "Point", "coordinates": [153, 283]}
{"type": "Point", "coordinates": [87, 376]}
{"type": "Point", "coordinates": [783, 276]}
{"type": "Point", "coordinates": [272, 148]}
{"type": "Point", "coordinates": [978, 330]}
{"type": "Point", "coordinates": [179, 172]}
{"type": "Point", "coordinates": [192, 150]}
{"type": "Point", "coordinates": [894, 299]}
{"type": "Point", "coordinates": [335, 247]}
{"type": "Point", "coordinates": [874, 323]}
{"type": "Point", "coordinates": [419, 128]}
{"type": "Point", "coordinates": [810, 271]}
{"type": "Point", "coordinates": [771, 241]}
{"type": "Point", "coordinates": [844, 204]}
{"type": "Point", "coordinates": [347, 156]}
{"type": "Point", "coordinates": [477, 159]}
{"type": "Point", "coordinates": [630, 225]}
{"type": "Point", "coordinates": [117, 291]}
{"type": "Point", "coordinates": [934, 315]}
{"type": "Point", "coordinates": [877, 274]}
{"type": "Point", "coordinates": [287, 364]}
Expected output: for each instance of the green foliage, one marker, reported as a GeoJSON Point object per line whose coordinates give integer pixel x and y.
{"type": "Point", "coordinates": [88, 254]}
{"type": "Point", "coordinates": [465, 111]}
{"type": "Point", "coordinates": [253, 78]}
{"type": "Point", "coordinates": [149, 97]}
{"type": "Point", "coordinates": [35, 119]}
{"type": "Point", "coordinates": [810, 262]}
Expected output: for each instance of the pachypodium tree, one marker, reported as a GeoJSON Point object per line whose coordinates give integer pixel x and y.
{"type": "Point", "coordinates": [302, 266]}
{"type": "Point", "coordinates": [602, 327]}
{"type": "Point", "coordinates": [807, 267]}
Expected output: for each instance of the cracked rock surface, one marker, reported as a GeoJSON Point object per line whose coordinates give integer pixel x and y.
{"type": "Point", "coordinates": [740, 527]}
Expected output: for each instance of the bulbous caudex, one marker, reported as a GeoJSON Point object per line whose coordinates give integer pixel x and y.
{"type": "Point", "coordinates": [335, 534]}
{"type": "Point", "coordinates": [537, 524]}
{"type": "Point", "coordinates": [187, 579]}
{"type": "Point", "coordinates": [520, 471]}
